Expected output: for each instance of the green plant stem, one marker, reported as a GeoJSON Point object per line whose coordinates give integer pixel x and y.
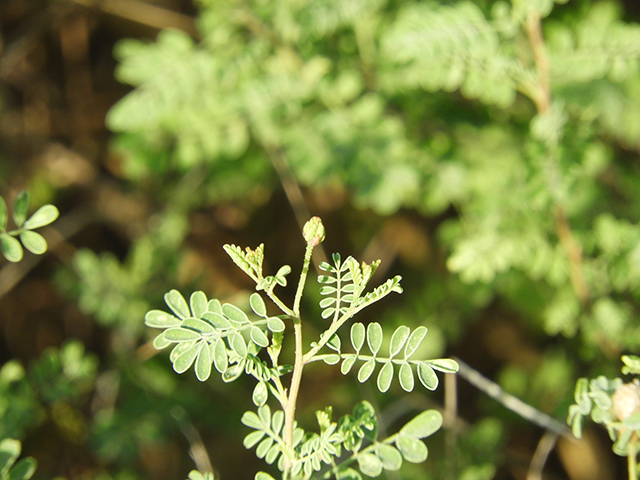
{"type": "Point", "coordinates": [632, 462]}
{"type": "Point", "coordinates": [298, 366]}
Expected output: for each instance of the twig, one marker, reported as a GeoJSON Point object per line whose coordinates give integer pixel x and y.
{"type": "Point", "coordinates": [545, 445]}
{"type": "Point", "coordinates": [511, 402]}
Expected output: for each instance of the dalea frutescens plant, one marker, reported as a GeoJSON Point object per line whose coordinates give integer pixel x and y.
{"type": "Point", "coordinates": [616, 405]}
{"type": "Point", "coordinates": [207, 334]}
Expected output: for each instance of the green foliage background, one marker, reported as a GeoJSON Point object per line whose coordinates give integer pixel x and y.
{"type": "Point", "coordinates": [486, 150]}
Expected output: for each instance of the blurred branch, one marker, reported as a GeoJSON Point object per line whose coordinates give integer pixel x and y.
{"type": "Point", "coordinates": [294, 194]}
{"type": "Point", "coordinates": [143, 13]}
{"type": "Point", "coordinates": [545, 445]}
{"type": "Point", "coordinates": [542, 98]}
{"type": "Point", "coordinates": [511, 402]}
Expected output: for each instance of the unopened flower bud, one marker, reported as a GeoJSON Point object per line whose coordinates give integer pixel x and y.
{"type": "Point", "coordinates": [313, 231]}
{"type": "Point", "coordinates": [626, 401]}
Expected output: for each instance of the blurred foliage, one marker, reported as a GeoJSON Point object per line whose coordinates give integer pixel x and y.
{"type": "Point", "coordinates": [490, 147]}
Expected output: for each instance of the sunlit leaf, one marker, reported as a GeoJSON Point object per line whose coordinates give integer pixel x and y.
{"type": "Point", "coordinates": [423, 425]}
{"type": "Point", "coordinates": [160, 319]}
{"type": "Point", "coordinates": [366, 370]}
{"type": "Point", "coordinates": [257, 305]}
{"type": "Point", "coordinates": [385, 376]}
{"type": "Point", "coordinates": [374, 337]}
{"type": "Point", "coordinates": [41, 217]}
{"type": "Point", "coordinates": [406, 378]}
{"type": "Point", "coordinates": [398, 339]}
{"type": "Point", "coordinates": [198, 303]}
{"type": "Point", "coordinates": [176, 302]}
{"type": "Point", "coordinates": [427, 376]}
{"type": "Point", "coordinates": [358, 335]}
{"type": "Point", "coordinates": [11, 248]}
{"type": "Point", "coordinates": [203, 363]}
{"type": "Point", "coordinates": [412, 449]}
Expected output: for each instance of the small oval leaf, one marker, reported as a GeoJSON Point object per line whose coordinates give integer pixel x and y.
{"type": "Point", "coordinates": [390, 457]}
{"type": "Point", "coordinates": [260, 394]}
{"type": "Point", "coordinates": [331, 359]}
{"type": "Point", "coordinates": [238, 345]}
{"type": "Point", "coordinates": [423, 424]}
{"type": "Point", "coordinates": [234, 314]}
{"type": "Point", "coordinates": [366, 370]}
{"type": "Point", "coordinates": [347, 364]}
{"type": "Point", "coordinates": [445, 365]}
{"type": "Point", "coordinates": [160, 319]}
{"type": "Point", "coordinates": [385, 377]}
{"type": "Point", "coordinates": [181, 335]}
{"type": "Point", "coordinates": [198, 303]}
{"type": "Point", "coordinates": [182, 363]}
{"type": "Point", "coordinates": [34, 242]}
{"type": "Point", "coordinates": [203, 363]}
{"type": "Point", "coordinates": [258, 337]}
{"type": "Point", "coordinates": [398, 339]}
{"type": "Point", "coordinates": [275, 325]}
{"type": "Point", "coordinates": [427, 376]}
{"type": "Point", "coordinates": [43, 216]}
{"type": "Point", "coordinates": [160, 342]}
{"type": "Point", "coordinates": [357, 336]}
{"type": "Point", "coordinates": [197, 325]}
{"type": "Point", "coordinates": [220, 359]}
{"type": "Point", "coordinates": [217, 320]}
{"type": "Point", "coordinates": [412, 449]}
{"type": "Point", "coordinates": [370, 464]}
{"type": "Point", "coordinates": [415, 340]}
{"type": "Point", "coordinates": [252, 439]}
{"type": "Point", "coordinates": [176, 302]}
{"type": "Point", "coordinates": [374, 337]}
{"type": "Point", "coordinates": [405, 376]}
{"type": "Point", "coordinates": [11, 248]}
{"type": "Point", "coordinates": [257, 305]}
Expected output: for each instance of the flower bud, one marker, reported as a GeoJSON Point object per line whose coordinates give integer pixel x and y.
{"type": "Point", "coordinates": [313, 231]}
{"type": "Point", "coordinates": [626, 401]}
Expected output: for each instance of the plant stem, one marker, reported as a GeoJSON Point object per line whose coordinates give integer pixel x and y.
{"type": "Point", "coordinates": [632, 462]}
{"type": "Point", "coordinates": [296, 377]}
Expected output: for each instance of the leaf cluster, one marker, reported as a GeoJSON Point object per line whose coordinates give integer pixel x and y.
{"type": "Point", "coordinates": [34, 242]}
